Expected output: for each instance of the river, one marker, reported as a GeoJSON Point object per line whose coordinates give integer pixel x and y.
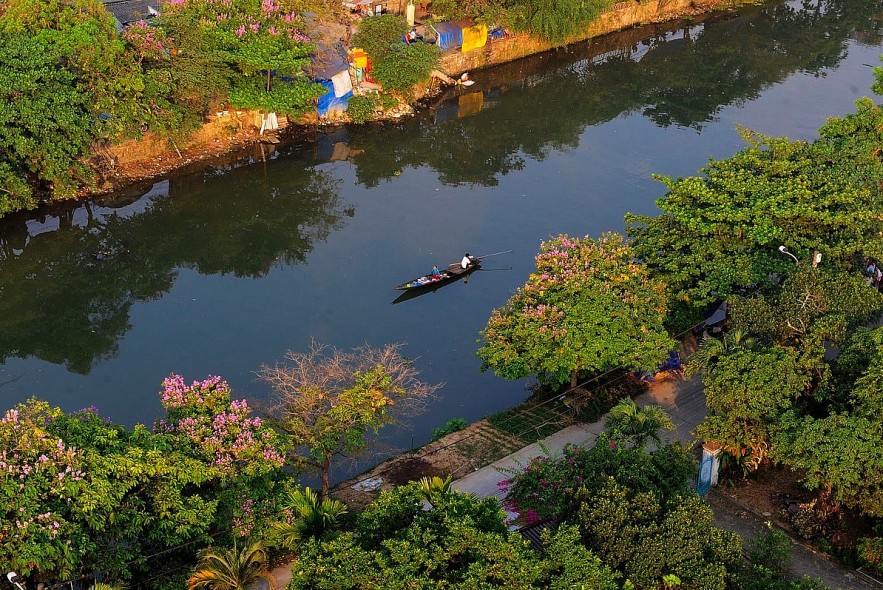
{"type": "Point", "coordinates": [220, 270]}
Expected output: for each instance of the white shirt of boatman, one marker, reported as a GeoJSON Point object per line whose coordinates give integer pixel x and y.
{"type": "Point", "coordinates": [465, 262]}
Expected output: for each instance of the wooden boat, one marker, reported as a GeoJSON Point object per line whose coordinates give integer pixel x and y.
{"type": "Point", "coordinates": [450, 274]}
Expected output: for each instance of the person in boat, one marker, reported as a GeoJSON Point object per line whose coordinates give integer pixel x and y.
{"type": "Point", "coordinates": [467, 261]}
{"type": "Point", "coordinates": [436, 273]}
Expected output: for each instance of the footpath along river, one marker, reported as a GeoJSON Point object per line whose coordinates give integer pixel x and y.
{"type": "Point", "coordinates": [221, 270]}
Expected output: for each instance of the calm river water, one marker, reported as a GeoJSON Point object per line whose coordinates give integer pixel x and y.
{"type": "Point", "coordinates": [230, 267]}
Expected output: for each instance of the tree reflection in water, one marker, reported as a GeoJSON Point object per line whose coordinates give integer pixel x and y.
{"type": "Point", "coordinates": [66, 293]}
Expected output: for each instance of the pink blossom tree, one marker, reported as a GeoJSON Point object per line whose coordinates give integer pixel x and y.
{"type": "Point", "coordinates": [588, 308]}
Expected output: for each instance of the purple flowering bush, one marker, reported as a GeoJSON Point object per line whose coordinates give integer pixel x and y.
{"type": "Point", "coordinates": [203, 419]}
{"type": "Point", "coordinates": [38, 474]}
{"type": "Point", "coordinates": [551, 487]}
{"type": "Point", "coordinates": [79, 494]}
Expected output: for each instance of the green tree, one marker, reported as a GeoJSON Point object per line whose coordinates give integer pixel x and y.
{"type": "Point", "coordinates": [630, 423]}
{"type": "Point", "coordinates": [648, 540]}
{"type": "Point", "coordinates": [245, 47]}
{"type": "Point", "coordinates": [588, 308]}
{"type": "Point", "coordinates": [811, 302]}
{"type": "Point", "coordinates": [67, 81]}
{"type": "Point", "coordinates": [46, 123]}
{"type": "Point", "coordinates": [395, 64]}
{"type": "Point", "coordinates": [459, 542]}
{"type": "Point", "coordinates": [747, 392]}
{"type": "Point", "coordinates": [718, 234]}
{"type": "Point", "coordinates": [238, 568]}
{"type": "Point", "coordinates": [328, 401]}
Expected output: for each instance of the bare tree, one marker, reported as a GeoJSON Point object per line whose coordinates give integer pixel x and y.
{"type": "Point", "coordinates": [327, 399]}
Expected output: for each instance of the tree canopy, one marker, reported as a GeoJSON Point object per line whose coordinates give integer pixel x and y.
{"type": "Point", "coordinates": [588, 308]}
{"type": "Point", "coordinates": [718, 234]}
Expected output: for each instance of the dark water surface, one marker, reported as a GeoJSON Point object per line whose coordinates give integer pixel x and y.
{"type": "Point", "coordinates": [219, 271]}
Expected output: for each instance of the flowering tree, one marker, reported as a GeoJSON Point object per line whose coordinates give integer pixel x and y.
{"type": "Point", "coordinates": [79, 494]}
{"type": "Point", "coordinates": [203, 419]}
{"type": "Point", "coordinates": [38, 474]}
{"type": "Point", "coordinates": [588, 307]}
{"type": "Point", "coordinates": [256, 39]}
{"type": "Point", "coordinates": [327, 403]}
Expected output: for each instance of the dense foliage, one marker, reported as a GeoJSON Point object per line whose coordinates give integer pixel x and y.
{"type": "Point", "coordinates": [63, 65]}
{"type": "Point", "coordinates": [718, 235]}
{"type": "Point", "coordinates": [553, 21]}
{"type": "Point", "coordinates": [455, 542]}
{"type": "Point", "coordinates": [634, 509]}
{"type": "Point", "coordinates": [588, 308]}
{"type": "Point", "coordinates": [797, 378]}
{"type": "Point", "coordinates": [81, 495]}
{"type": "Point", "coordinates": [395, 64]}
{"type": "Point", "coordinates": [70, 81]}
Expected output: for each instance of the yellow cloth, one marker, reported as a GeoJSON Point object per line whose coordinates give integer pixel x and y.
{"type": "Point", "coordinates": [474, 37]}
{"type": "Point", "coordinates": [359, 58]}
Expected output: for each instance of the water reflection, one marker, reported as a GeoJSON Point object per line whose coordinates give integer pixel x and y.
{"type": "Point", "coordinates": [680, 73]}
{"type": "Point", "coordinates": [69, 280]}
{"type": "Point", "coordinates": [64, 302]}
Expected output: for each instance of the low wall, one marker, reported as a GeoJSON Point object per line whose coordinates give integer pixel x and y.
{"type": "Point", "coordinates": [618, 17]}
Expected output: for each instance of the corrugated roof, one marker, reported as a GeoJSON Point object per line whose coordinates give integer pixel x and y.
{"type": "Point", "coordinates": [130, 11]}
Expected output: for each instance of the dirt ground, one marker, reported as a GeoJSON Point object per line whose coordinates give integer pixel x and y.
{"type": "Point", "coordinates": [776, 494]}
{"type": "Point", "coordinates": [455, 454]}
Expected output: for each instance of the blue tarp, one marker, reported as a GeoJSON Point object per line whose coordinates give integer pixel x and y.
{"type": "Point", "coordinates": [450, 34]}
{"type": "Point", "coordinates": [328, 101]}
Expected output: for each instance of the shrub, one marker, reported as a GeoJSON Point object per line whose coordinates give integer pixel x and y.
{"type": "Point", "coordinates": [405, 66]}
{"type": "Point", "coordinates": [362, 107]}
{"type": "Point", "coordinates": [551, 487]}
{"type": "Point", "coordinates": [452, 425]}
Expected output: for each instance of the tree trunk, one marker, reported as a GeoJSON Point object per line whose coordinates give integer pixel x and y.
{"type": "Point", "coordinates": [574, 378]}
{"type": "Point", "coordinates": [268, 80]}
{"type": "Point", "coordinates": [326, 470]}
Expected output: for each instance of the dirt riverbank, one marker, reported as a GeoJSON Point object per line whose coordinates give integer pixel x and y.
{"type": "Point", "coordinates": [138, 161]}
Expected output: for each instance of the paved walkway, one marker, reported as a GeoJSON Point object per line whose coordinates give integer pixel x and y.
{"type": "Point", "coordinates": [684, 401]}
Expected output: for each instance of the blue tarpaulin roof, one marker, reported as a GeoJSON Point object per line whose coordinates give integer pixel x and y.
{"type": "Point", "coordinates": [328, 102]}
{"type": "Point", "coordinates": [450, 34]}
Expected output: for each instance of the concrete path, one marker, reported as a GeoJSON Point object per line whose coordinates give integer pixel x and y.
{"type": "Point", "coordinates": [684, 401]}
{"type": "Point", "coordinates": [805, 561]}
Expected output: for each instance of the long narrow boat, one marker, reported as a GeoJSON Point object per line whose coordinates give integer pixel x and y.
{"type": "Point", "coordinates": [451, 273]}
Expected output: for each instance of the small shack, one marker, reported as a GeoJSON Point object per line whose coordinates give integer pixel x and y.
{"type": "Point", "coordinates": [330, 67]}
{"type": "Point", "coordinates": [448, 34]}
{"type": "Point", "coordinates": [464, 34]}
{"type": "Point", "coordinates": [126, 12]}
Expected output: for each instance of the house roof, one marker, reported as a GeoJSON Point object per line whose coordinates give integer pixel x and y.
{"type": "Point", "coordinates": [130, 11]}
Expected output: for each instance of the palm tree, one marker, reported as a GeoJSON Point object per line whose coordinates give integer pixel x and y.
{"type": "Point", "coordinates": [310, 518]}
{"type": "Point", "coordinates": [435, 486]}
{"type": "Point", "coordinates": [230, 569]}
{"type": "Point", "coordinates": [712, 349]}
{"type": "Point", "coordinates": [106, 586]}
{"type": "Point", "coordinates": [631, 423]}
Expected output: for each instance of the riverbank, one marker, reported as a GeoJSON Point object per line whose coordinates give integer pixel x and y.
{"type": "Point", "coordinates": [132, 162]}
